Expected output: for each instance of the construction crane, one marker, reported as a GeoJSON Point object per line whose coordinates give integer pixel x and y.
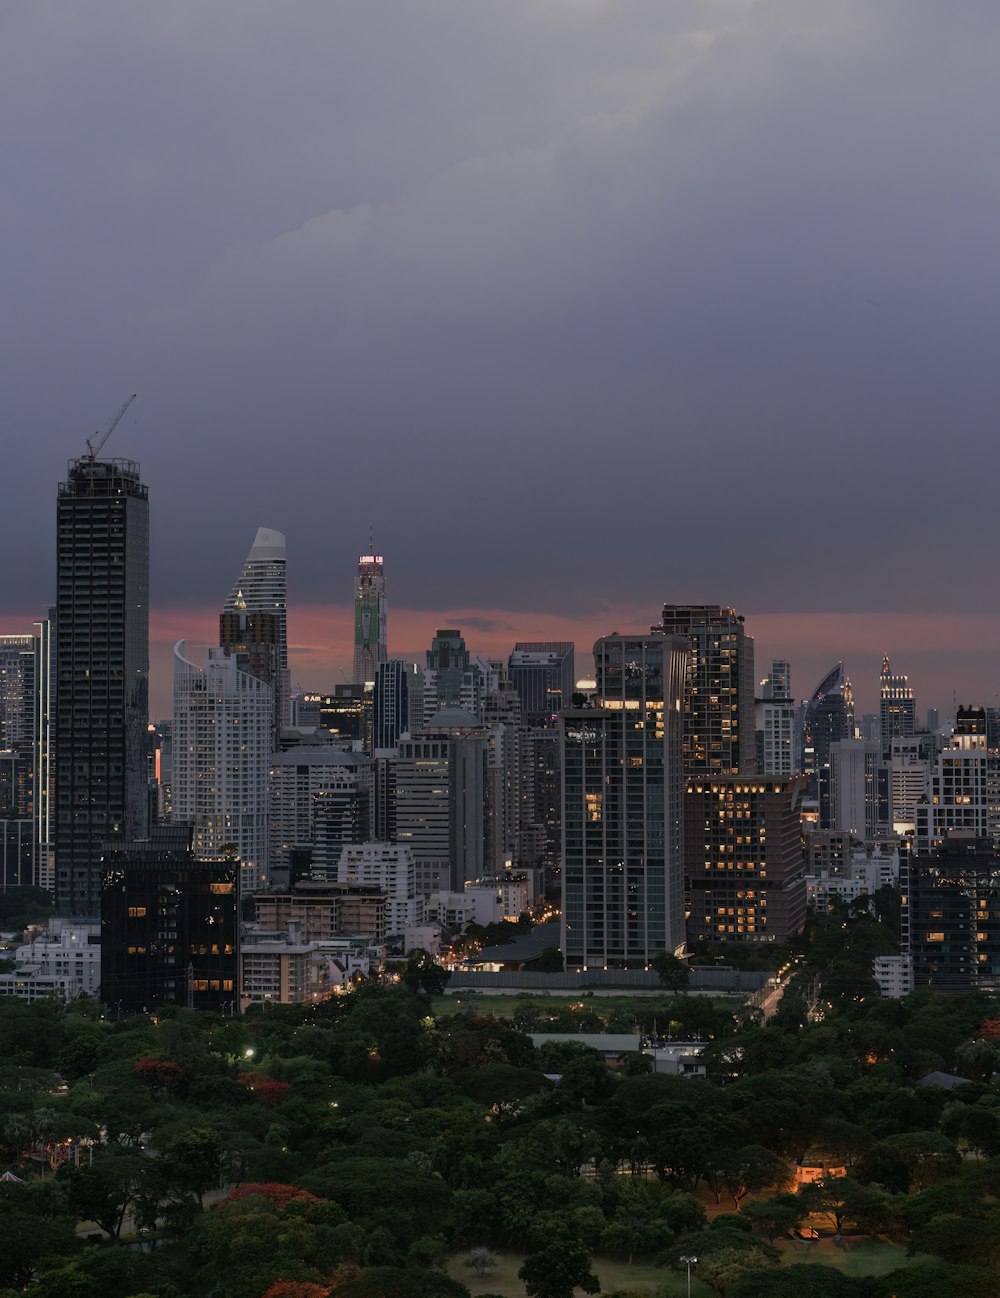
{"type": "Point", "coordinates": [91, 449]}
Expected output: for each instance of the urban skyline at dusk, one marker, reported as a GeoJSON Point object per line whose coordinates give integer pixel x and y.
{"type": "Point", "coordinates": [630, 302]}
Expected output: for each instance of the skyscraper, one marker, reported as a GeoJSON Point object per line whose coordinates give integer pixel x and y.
{"type": "Point", "coordinates": [254, 620]}
{"type": "Point", "coordinates": [778, 748]}
{"type": "Point", "coordinates": [719, 728]}
{"type": "Point", "coordinates": [370, 618]}
{"type": "Point", "coordinates": [829, 717]}
{"type": "Point", "coordinates": [102, 671]}
{"type": "Point", "coordinates": [398, 692]}
{"type": "Point", "coordinates": [746, 864]}
{"type": "Point", "coordinates": [542, 672]}
{"type": "Point", "coordinates": [221, 759]}
{"type": "Point", "coordinates": [896, 708]}
{"type": "Point", "coordinates": [623, 782]}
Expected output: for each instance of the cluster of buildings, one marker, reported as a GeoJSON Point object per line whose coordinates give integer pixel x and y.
{"type": "Point", "coordinates": [265, 842]}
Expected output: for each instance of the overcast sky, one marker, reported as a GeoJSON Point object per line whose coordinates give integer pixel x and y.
{"type": "Point", "coordinates": [584, 304]}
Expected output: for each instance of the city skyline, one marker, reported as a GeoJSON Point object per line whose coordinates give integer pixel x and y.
{"type": "Point", "coordinates": [734, 258]}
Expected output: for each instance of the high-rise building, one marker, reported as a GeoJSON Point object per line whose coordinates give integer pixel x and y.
{"type": "Point", "coordinates": [960, 792]}
{"type": "Point", "coordinates": [909, 771]}
{"type": "Point", "coordinates": [950, 920]}
{"type": "Point", "coordinates": [623, 781]}
{"type": "Point", "coordinates": [102, 672]}
{"type": "Point", "coordinates": [746, 865]}
{"type": "Point", "coordinates": [396, 685]}
{"type": "Point", "coordinates": [896, 708]}
{"type": "Point", "coordinates": [169, 926]}
{"type": "Point", "coordinates": [253, 624]}
{"type": "Point", "coordinates": [543, 674]}
{"type": "Point", "coordinates": [719, 727]}
{"type": "Point", "coordinates": [222, 732]}
{"type": "Point", "coordinates": [441, 800]}
{"type": "Point", "coordinates": [17, 759]}
{"type": "Point", "coordinates": [307, 786]}
{"type": "Point", "coordinates": [17, 692]}
{"type": "Point", "coordinates": [43, 835]}
{"type": "Point", "coordinates": [777, 723]}
{"type": "Point", "coordinates": [829, 717]}
{"type": "Point", "coordinates": [454, 679]}
{"type": "Point", "coordinates": [854, 787]}
{"type": "Point", "coordinates": [370, 618]}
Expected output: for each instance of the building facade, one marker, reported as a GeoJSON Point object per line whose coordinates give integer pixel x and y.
{"type": "Point", "coordinates": [543, 673]}
{"type": "Point", "coordinates": [169, 926]}
{"type": "Point", "coordinates": [102, 672]}
{"type": "Point", "coordinates": [222, 732]}
{"type": "Point", "coordinates": [746, 865]}
{"type": "Point", "coordinates": [371, 636]}
{"type": "Point", "coordinates": [897, 708]}
{"type": "Point", "coordinates": [622, 764]}
{"type": "Point", "coordinates": [719, 725]}
{"type": "Point", "coordinates": [254, 619]}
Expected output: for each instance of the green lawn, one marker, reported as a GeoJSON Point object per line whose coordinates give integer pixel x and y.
{"type": "Point", "coordinates": [856, 1258]}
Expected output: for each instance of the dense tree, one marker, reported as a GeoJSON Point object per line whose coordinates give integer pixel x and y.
{"type": "Point", "coordinates": [557, 1270]}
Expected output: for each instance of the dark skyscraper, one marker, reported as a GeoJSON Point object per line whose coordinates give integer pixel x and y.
{"type": "Point", "coordinates": [102, 672]}
{"type": "Point", "coordinates": [720, 735]}
{"type": "Point", "coordinates": [623, 872]}
{"type": "Point", "coordinates": [542, 672]}
{"type": "Point", "coordinates": [897, 718]}
{"type": "Point", "coordinates": [370, 618]}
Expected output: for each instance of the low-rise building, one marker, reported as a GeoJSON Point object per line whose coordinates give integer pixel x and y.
{"type": "Point", "coordinates": [325, 910]}
{"type": "Point", "coordinates": [894, 975]}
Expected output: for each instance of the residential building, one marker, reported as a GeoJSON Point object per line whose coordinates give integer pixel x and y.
{"type": "Point", "coordinates": [318, 792]}
{"type": "Point", "coordinates": [169, 926]}
{"type": "Point", "coordinates": [746, 874]}
{"type": "Point", "coordinates": [323, 910]}
{"type": "Point", "coordinates": [777, 722]}
{"type": "Point", "coordinates": [441, 808]}
{"type": "Point", "coordinates": [254, 620]}
{"type": "Point", "coordinates": [960, 790]}
{"type": "Point", "coordinates": [950, 918]}
{"type": "Point", "coordinates": [388, 867]}
{"type": "Point", "coordinates": [623, 773]}
{"type": "Point", "coordinates": [222, 733]}
{"type": "Point", "coordinates": [719, 726]}
{"type": "Point", "coordinates": [102, 672]}
{"type": "Point", "coordinates": [66, 960]}
{"type": "Point", "coordinates": [909, 772]}
{"type": "Point", "coordinates": [894, 975]}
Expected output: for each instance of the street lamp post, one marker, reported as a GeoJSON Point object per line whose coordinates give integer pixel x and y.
{"type": "Point", "coordinates": [690, 1263]}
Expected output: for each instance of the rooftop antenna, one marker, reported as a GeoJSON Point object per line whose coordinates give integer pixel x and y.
{"type": "Point", "coordinates": [92, 450]}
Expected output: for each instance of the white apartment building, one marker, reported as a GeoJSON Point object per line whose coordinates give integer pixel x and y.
{"type": "Point", "coordinates": [390, 867]}
{"type": "Point", "coordinates": [894, 975]}
{"type": "Point", "coordinates": [223, 727]}
{"type": "Point", "coordinates": [66, 962]}
{"type": "Point", "coordinates": [960, 790]}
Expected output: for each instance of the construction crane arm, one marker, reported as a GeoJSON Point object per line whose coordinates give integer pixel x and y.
{"type": "Point", "coordinates": [93, 450]}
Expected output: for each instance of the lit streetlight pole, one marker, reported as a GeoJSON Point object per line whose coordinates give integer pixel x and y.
{"type": "Point", "coordinates": [690, 1263]}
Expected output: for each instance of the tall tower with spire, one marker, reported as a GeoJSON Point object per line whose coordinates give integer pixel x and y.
{"type": "Point", "coordinates": [370, 616]}
{"type": "Point", "coordinates": [253, 621]}
{"type": "Point", "coordinates": [897, 708]}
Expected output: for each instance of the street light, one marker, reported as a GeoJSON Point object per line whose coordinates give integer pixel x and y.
{"type": "Point", "coordinates": [690, 1263]}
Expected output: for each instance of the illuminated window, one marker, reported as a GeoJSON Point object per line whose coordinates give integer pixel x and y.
{"type": "Point", "coordinates": [136, 912]}
{"type": "Point", "coordinates": [935, 936]}
{"type": "Point", "coordinates": [220, 887]}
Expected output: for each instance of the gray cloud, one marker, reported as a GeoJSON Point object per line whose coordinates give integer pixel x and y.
{"type": "Point", "coordinates": [575, 300]}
